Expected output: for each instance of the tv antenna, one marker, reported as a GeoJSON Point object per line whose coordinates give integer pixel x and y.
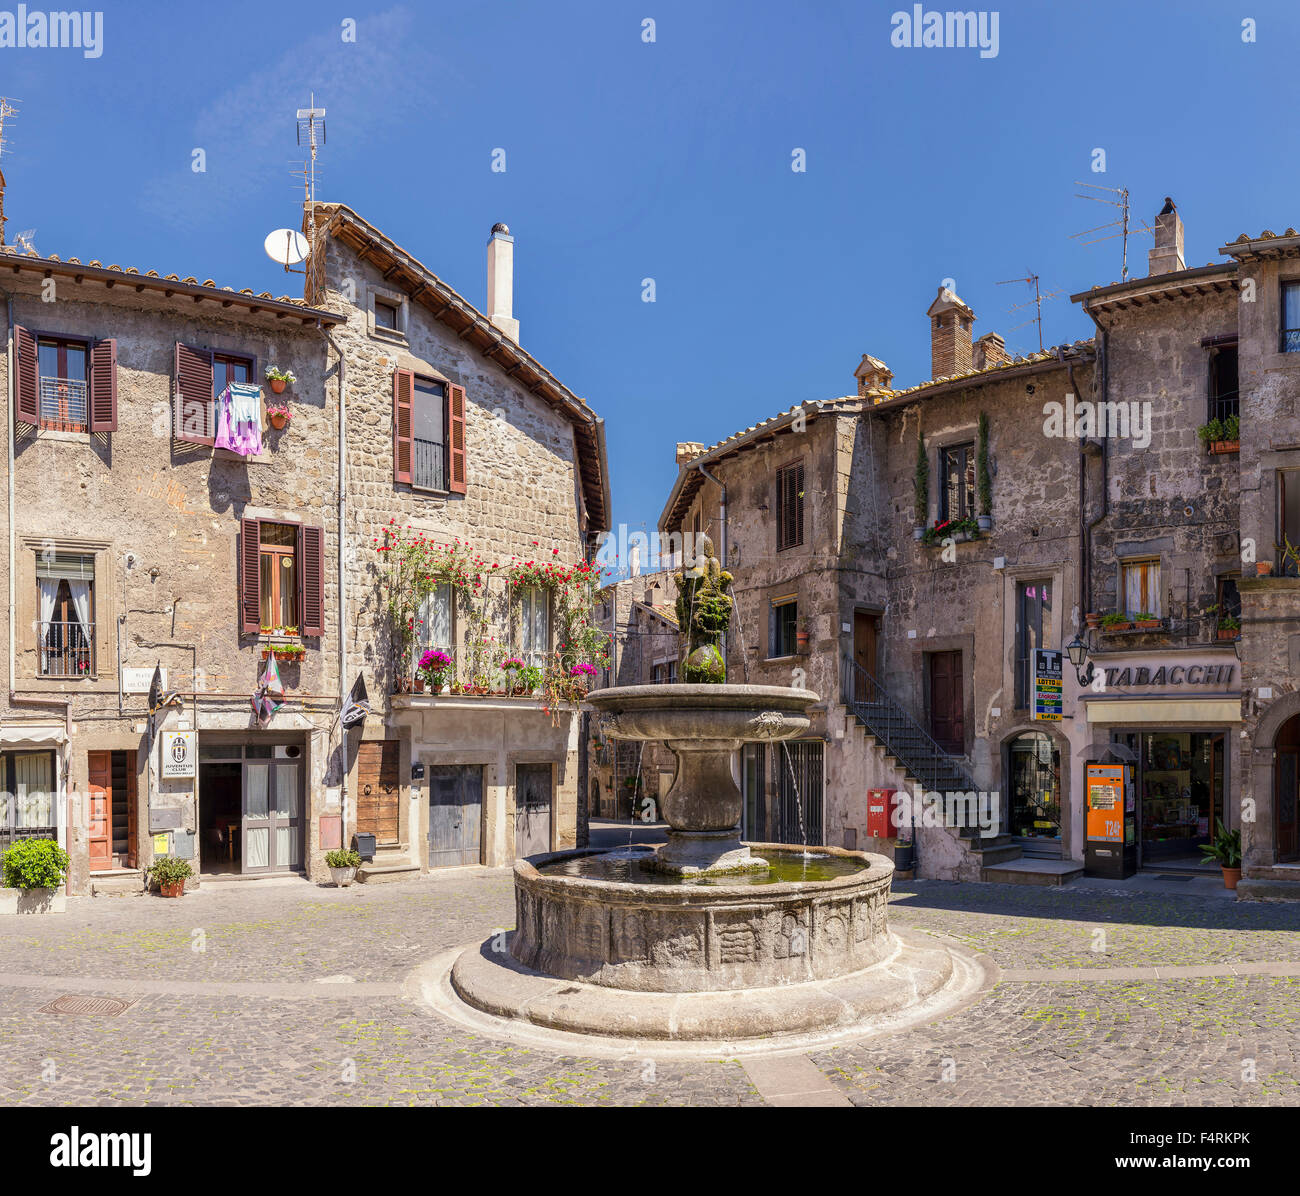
{"type": "Point", "coordinates": [1123, 223]}
{"type": "Point", "coordinates": [311, 132]}
{"type": "Point", "coordinates": [1030, 279]}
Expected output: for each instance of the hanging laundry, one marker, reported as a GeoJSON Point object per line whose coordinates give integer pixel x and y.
{"type": "Point", "coordinates": [239, 419]}
{"type": "Point", "coordinates": [269, 694]}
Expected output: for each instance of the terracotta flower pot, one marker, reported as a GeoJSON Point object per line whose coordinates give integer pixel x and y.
{"type": "Point", "coordinates": [1147, 624]}
{"type": "Point", "coordinates": [1094, 620]}
{"type": "Point", "coordinates": [1230, 877]}
{"type": "Point", "coordinates": [174, 888]}
{"type": "Point", "coordinates": [278, 385]}
{"type": "Point", "coordinates": [419, 685]}
{"type": "Point", "coordinates": [1263, 568]}
{"type": "Point", "coordinates": [801, 641]}
{"type": "Point", "coordinates": [1225, 634]}
{"type": "Point", "coordinates": [279, 420]}
{"type": "Point", "coordinates": [1225, 446]}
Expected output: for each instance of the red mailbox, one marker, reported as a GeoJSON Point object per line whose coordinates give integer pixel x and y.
{"type": "Point", "coordinates": [880, 807]}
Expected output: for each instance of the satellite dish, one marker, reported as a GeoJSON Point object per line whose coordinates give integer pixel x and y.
{"type": "Point", "coordinates": [286, 246]}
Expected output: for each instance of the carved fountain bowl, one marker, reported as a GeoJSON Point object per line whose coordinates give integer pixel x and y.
{"type": "Point", "coordinates": [700, 716]}
{"type": "Point", "coordinates": [703, 937]}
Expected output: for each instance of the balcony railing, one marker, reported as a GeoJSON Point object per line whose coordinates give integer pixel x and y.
{"type": "Point", "coordinates": [429, 464]}
{"type": "Point", "coordinates": [63, 404]}
{"type": "Point", "coordinates": [67, 649]}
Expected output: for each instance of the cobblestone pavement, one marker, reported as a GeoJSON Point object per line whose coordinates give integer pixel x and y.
{"type": "Point", "coordinates": [209, 1026]}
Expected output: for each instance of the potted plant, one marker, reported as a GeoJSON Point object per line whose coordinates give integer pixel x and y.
{"type": "Point", "coordinates": [1145, 621]}
{"type": "Point", "coordinates": [1114, 621]}
{"type": "Point", "coordinates": [1263, 568]}
{"type": "Point", "coordinates": [289, 652]}
{"type": "Point", "coordinates": [1093, 619]}
{"type": "Point", "coordinates": [983, 478]}
{"type": "Point", "coordinates": [279, 379]}
{"type": "Point", "coordinates": [1222, 435]}
{"type": "Point", "coordinates": [513, 668]}
{"type": "Point", "coordinates": [920, 488]}
{"type": "Point", "coordinates": [343, 865]}
{"type": "Point", "coordinates": [1289, 565]}
{"type": "Point", "coordinates": [170, 873]}
{"type": "Point", "coordinates": [801, 636]}
{"type": "Point", "coordinates": [279, 415]}
{"type": "Point", "coordinates": [530, 680]}
{"type": "Point", "coordinates": [581, 676]}
{"type": "Point", "coordinates": [1225, 850]}
{"type": "Point", "coordinates": [1229, 628]}
{"type": "Point", "coordinates": [432, 669]}
{"type": "Point", "coordinates": [34, 870]}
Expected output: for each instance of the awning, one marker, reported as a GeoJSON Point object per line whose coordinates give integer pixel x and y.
{"type": "Point", "coordinates": [32, 735]}
{"type": "Point", "coordinates": [1176, 710]}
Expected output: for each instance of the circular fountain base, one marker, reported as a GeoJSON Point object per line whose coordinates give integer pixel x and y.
{"type": "Point", "coordinates": [691, 853]}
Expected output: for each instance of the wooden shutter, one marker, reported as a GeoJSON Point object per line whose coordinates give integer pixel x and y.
{"type": "Point", "coordinates": [103, 386]}
{"type": "Point", "coordinates": [193, 411]}
{"type": "Point", "coordinates": [796, 485]}
{"type": "Point", "coordinates": [456, 454]}
{"type": "Point", "coordinates": [28, 408]}
{"type": "Point", "coordinates": [311, 580]}
{"type": "Point", "coordinates": [403, 447]}
{"type": "Point", "coordinates": [250, 576]}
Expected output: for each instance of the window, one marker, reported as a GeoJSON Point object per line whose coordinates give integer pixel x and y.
{"type": "Point", "coordinates": [957, 482]}
{"type": "Point", "coordinates": [386, 315]}
{"type": "Point", "coordinates": [664, 673]}
{"type": "Point", "coordinates": [799, 766]}
{"type": "Point", "coordinates": [279, 577]}
{"type": "Point", "coordinates": [534, 625]}
{"type": "Point", "coordinates": [63, 370]}
{"type": "Point", "coordinates": [1033, 630]}
{"type": "Point", "coordinates": [1228, 597]}
{"type": "Point", "coordinates": [1140, 582]}
{"type": "Point", "coordinates": [785, 619]}
{"type": "Point", "coordinates": [227, 369]}
{"type": "Point", "coordinates": [1291, 317]}
{"type": "Point", "coordinates": [1223, 382]}
{"type": "Point", "coordinates": [1288, 520]}
{"type": "Point", "coordinates": [201, 376]}
{"type": "Point", "coordinates": [65, 583]}
{"type": "Point", "coordinates": [789, 507]}
{"type": "Point", "coordinates": [429, 439]}
{"type": "Point", "coordinates": [434, 620]}
{"type": "Point", "coordinates": [27, 805]}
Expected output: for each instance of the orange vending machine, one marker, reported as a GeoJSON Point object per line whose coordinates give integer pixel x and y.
{"type": "Point", "coordinates": [1110, 821]}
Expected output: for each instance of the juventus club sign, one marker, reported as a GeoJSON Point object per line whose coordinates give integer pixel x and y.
{"type": "Point", "coordinates": [178, 754]}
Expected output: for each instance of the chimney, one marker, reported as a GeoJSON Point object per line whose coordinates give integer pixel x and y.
{"type": "Point", "coordinates": [1167, 255]}
{"type": "Point", "coordinates": [688, 450]}
{"type": "Point", "coordinates": [990, 350]}
{"type": "Point", "coordinates": [634, 561]}
{"type": "Point", "coordinates": [501, 281]}
{"type": "Point", "coordinates": [950, 348]}
{"type": "Point", "coordinates": [873, 377]}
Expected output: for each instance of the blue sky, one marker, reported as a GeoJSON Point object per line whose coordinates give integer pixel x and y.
{"type": "Point", "coordinates": [672, 161]}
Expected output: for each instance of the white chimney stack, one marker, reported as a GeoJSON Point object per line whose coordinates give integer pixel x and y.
{"type": "Point", "coordinates": [501, 281]}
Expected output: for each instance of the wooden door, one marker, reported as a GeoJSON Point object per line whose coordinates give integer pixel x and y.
{"type": "Point", "coordinates": [947, 707]}
{"type": "Point", "coordinates": [378, 789]}
{"type": "Point", "coordinates": [455, 814]}
{"type": "Point", "coordinates": [532, 809]}
{"type": "Point", "coordinates": [1286, 790]}
{"type": "Point", "coordinates": [865, 627]}
{"type": "Point", "coordinates": [100, 789]}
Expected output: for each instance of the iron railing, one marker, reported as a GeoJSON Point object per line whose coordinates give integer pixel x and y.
{"type": "Point", "coordinates": [902, 736]}
{"type": "Point", "coordinates": [63, 404]}
{"type": "Point", "coordinates": [429, 464]}
{"type": "Point", "coordinates": [67, 649]}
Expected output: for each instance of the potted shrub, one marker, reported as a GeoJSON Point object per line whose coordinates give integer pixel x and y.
{"type": "Point", "coordinates": [530, 680]}
{"type": "Point", "coordinates": [34, 870]}
{"type": "Point", "coordinates": [983, 478]}
{"type": "Point", "coordinates": [170, 873]}
{"type": "Point", "coordinates": [1225, 850]}
{"type": "Point", "coordinates": [1145, 621]}
{"type": "Point", "coordinates": [1263, 568]}
{"type": "Point", "coordinates": [279, 415]}
{"type": "Point", "coordinates": [1221, 435]}
{"type": "Point", "coordinates": [920, 488]}
{"type": "Point", "coordinates": [343, 865]}
{"type": "Point", "coordinates": [513, 668]}
{"type": "Point", "coordinates": [1289, 565]}
{"type": "Point", "coordinates": [279, 379]}
{"type": "Point", "coordinates": [1115, 621]}
{"type": "Point", "coordinates": [1229, 628]}
{"type": "Point", "coordinates": [581, 677]}
{"type": "Point", "coordinates": [432, 669]}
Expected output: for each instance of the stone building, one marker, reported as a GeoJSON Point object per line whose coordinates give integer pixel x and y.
{"type": "Point", "coordinates": [139, 535]}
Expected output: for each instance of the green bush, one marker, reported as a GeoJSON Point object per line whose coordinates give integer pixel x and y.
{"type": "Point", "coordinates": [169, 868]}
{"type": "Point", "coordinates": [343, 859]}
{"type": "Point", "coordinates": [35, 864]}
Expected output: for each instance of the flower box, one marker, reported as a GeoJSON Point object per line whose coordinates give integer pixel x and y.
{"type": "Point", "coordinates": [1225, 446]}
{"type": "Point", "coordinates": [1228, 633]}
{"type": "Point", "coordinates": [1148, 624]}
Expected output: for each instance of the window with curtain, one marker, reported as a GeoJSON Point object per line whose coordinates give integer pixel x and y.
{"type": "Point", "coordinates": [62, 380]}
{"type": "Point", "coordinates": [278, 558]}
{"type": "Point", "coordinates": [1291, 317]}
{"type": "Point", "coordinates": [433, 620]}
{"type": "Point", "coordinates": [65, 583]}
{"type": "Point", "coordinates": [1141, 585]}
{"type": "Point", "coordinates": [30, 785]}
{"type": "Point", "coordinates": [534, 625]}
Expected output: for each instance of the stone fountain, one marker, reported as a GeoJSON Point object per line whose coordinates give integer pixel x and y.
{"type": "Point", "coordinates": [708, 939]}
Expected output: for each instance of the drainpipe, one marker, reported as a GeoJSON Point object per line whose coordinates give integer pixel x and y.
{"type": "Point", "coordinates": [1103, 369]}
{"type": "Point", "coordinates": [722, 531]}
{"type": "Point", "coordinates": [342, 585]}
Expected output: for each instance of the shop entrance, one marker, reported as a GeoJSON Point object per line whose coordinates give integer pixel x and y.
{"type": "Point", "coordinates": [1286, 790]}
{"type": "Point", "coordinates": [1035, 799]}
{"type": "Point", "coordinates": [1180, 788]}
{"type": "Point", "coordinates": [250, 807]}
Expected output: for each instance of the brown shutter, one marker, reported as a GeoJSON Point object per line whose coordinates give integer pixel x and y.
{"type": "Point", "coordinates": [103, 386]}
{"type": "Point", "coordinates": [250, 576]}
{"type": "Point", "coordinates": [193, 410]}
{"type": "Point", "coordinates": [311, 580]}
{"type": "Point", "coordinates": [403, 394]}
{"type": "Point", "coordinates": [28, 408]}
{"type": "Point", "coordinates": [456, 453]}
{"type": "Point", "coordinates": [798, 504]}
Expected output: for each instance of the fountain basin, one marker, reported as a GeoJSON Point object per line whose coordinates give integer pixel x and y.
{"type": "Point", "coordinates": [703, 937]}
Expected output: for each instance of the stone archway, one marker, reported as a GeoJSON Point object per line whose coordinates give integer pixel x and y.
{"type": "Point", "coordinates": [1259, 835]}
{"type": "Point", "coordinates": [1019, 752]}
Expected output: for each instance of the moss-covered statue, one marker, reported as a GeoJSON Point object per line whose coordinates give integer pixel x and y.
{"type": "Point", "coordinates": [704, 613]}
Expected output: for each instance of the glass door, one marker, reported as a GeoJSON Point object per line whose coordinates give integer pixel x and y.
{"type": "Point", "coordinates": [272, 812]}
{"type": "Point", "coordinates": [257, 816]}
{"type": "Point", "coordinates": [286, 814]}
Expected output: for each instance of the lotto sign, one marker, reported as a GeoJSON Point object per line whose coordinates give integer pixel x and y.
{"type": "Point", "coordinates": [1047, 685]}
{"type": "Point", "coordinates": [178, 754]}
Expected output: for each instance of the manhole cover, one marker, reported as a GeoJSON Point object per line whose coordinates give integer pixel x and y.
{"type": "Point", "coordinates": [95, 1006]}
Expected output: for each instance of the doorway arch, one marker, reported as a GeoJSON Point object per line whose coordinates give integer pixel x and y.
{"type": "Point", "coordinates": [1286, 790]}
{"type": "Point", "coordinates": [1034, 803]}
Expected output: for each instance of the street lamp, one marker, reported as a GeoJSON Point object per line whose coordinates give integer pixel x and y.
{"type": "Point", "coordinates": [1077, 651]}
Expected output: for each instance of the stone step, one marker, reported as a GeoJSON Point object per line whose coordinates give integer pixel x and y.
{"type": "Point", "coordinates": [1033, 872]}
{"type": "Point", "coordinates": [123, 882]}
{"type": "Point", "coordinates": [1252, 889]}
{"type": "Point", "coordinates": [378, 873]}
{"type": "Point", "coordinates": [995, 857]}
